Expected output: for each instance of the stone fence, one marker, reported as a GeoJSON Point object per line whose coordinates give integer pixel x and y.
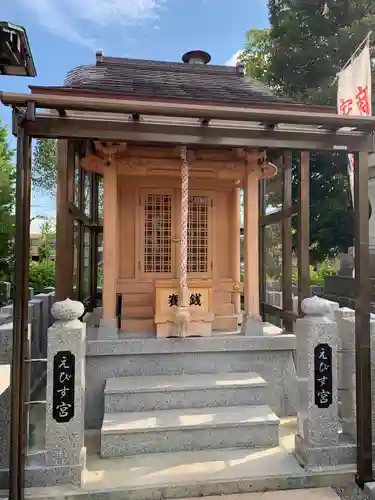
{"type": "Point", "coordinates": [40, 319]}
{"type": "Point", "coordinates": [61, 457]}
{"type": "Point", "coordinates": [326, 379]}
{"type": "Point", "coordinates": [6, 292]}
{"type": "Point", "coordinates": [274, 297]}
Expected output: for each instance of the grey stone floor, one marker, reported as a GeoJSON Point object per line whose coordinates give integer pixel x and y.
{"type": "Point", "coordinates": [351, 492]}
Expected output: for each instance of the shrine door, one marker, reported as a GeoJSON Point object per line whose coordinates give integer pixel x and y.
{"type": "Point", "coordinates": [159, 238]}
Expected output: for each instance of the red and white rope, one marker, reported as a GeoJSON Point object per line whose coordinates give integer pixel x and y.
{"type": "Point", "coordinates": [184, 220]}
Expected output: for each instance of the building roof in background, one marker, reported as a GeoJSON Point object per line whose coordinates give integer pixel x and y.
{"type": "Point", "coordinates": [15, 53]}
{"type": "Point", "coordinates": [137, 78]}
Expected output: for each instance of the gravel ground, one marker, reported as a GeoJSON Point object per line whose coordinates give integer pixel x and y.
{"type": "Point", "coordinates": [351, 492]}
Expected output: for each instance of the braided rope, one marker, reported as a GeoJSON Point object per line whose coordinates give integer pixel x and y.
{"type": "Point", "coordinates": [184, 219]}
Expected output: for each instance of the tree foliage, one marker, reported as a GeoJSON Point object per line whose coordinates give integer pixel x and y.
{"type": "Point", "coordinates": [256, 55]}
{"type": "Point", "coordinates": [42, 274]}
{"type": "Point", "coordinates": [7, 177]}
{"type": "Point", "coordinates": [48, 239]}
{"type": "Point", "coordinates": [298, 57]}
{"type": "Point", "coordinates": [45, 165]}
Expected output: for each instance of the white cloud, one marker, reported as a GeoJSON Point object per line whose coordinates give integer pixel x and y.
{"type": "Point", "coordinates": [74, 19]}
{"type": "Point", "coordinates": [233, 60]}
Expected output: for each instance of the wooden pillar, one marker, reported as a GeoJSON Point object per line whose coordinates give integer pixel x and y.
{"type": "Point", "coordinates": [303, 229]}
{"type": "Point", "coordinates": [19, 372]}
{"type": "Point", "coordinates": [64, 220]}
{"type": "Point", "coordinates": [110, 241]}
{"type": "Point", "coordinates": [236, 245]}
{"type": "Point", "coordinates": [363, 341]}
{"type": "Point", "coordinates": [251, 241]}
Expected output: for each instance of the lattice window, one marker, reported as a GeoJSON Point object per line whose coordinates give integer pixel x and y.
{"type": "Point", "coordinates": [158, 233]}
{"type": "Point", "coordinates": [198, 234]}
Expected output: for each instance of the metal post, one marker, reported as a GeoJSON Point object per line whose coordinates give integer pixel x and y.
{"type": "Point", "coordinates": [287, 247]}
{"type": "Point", "coordinates": [262, 267]}
{"type": "Point", "coordinates": [20, 315]}
{"type": "Point", "coordinates": [362, 321]}
{"type": "Point", "coordinates": [303, 231]}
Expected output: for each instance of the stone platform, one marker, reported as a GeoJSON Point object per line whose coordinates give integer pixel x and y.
{"type": "Point", "coordinates": [194, 474]}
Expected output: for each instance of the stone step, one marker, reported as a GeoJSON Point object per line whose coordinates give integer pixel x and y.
{"type": "Point", "coordinates": [163, 392]}
{"type": "Point", "coordinates": [125, 434]}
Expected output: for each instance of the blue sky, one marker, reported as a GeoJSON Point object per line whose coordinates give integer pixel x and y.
{"type": "Point", "coordinates": [66, 33]}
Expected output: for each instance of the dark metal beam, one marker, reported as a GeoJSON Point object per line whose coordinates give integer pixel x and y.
{"type": "Point", "coordinates": [20, 315]}
{"type": "Point", "coordinates": [275, 217]}
{"type": "Point", "coordinates": [94, 240]}
{"type": "Point", "coordinates": [362, 322]}
{"type": "Point", "coordinates": [286, 235]}
{"type": "Point", "coordinates": [187, 110]}
{"type": "Point", "coordinates": [64, 220]}
{"type": "Point", "coordinates": [278, 312]}
{"type": "Point", "coordinates": [196, 135]}
{"type": "Point", "coordinates": [81, 237]}
{"type": "Point", "coordinates": [80, 216]}
{"type": "Point", "coordinates": [262, 264]}
{"type": "Point", "coordinates": [303, 227]}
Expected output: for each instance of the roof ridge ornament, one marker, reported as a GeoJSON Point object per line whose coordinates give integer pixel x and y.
{"type": "Point", "coordinates": [196, 57]}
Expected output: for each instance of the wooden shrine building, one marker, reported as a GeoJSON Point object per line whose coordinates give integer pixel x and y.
{"type": "Point", "coordinates": [151, 160]}
{"type": "Point", "coordinates": [138, 175]}
{"type": "Point", "coordinates": [125, 179]}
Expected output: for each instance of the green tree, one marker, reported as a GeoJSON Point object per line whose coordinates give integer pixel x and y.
{"type": "Point", "coordinates": [311, 41]}
{"type": "Point", "coordinates": [45, 171]}
{"type": "Point", "coordinates": [299, 56]}
{"type": "Point", "coordinates": [45, 165]}
{"type": "Point", "coordinates": [48, 238]}
{"type": "Point", "coordinates": [7, 220]}
{"type": "Point", "coordinates": [256, 55]}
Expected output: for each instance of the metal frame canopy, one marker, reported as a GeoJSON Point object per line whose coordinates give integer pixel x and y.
{"type": "Point", "coordinates": [15, 53]}
{"type": "Point", "coordinates": [87, 117]}
{"type": "Point", "coordinates": [69, 116]}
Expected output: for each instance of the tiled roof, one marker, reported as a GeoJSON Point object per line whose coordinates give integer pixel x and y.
{"type": "Point", "coordinates": [169, 80]}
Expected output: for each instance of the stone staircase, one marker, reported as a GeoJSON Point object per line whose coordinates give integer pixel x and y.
{"type": "Point", "coordinates": [184, 413]}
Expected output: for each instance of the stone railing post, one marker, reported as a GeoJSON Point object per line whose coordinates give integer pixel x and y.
{"type": "Point", "coordinates": [5, 292]}
{"type": "Point", "coordinates": [66, 391]}
{"type": "Point", "coordinates": [345, 319]}
{"type": "Point", "coordinates": [346, 324]}
{"type": "Point", "coordinates": [317, 410]}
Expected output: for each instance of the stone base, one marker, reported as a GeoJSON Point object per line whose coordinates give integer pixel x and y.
{"type": "Point", "coordinates": [108, 329]}
{"type": "Point", "coordinates": [93, 318]}
{"type": "Point", "coordinates": [312, 458]}
{"type": "Point", "coordinates": [47, 476]}
{"type": "Point", "coordinates": [349, 426]}
{"type": "Point", "coordinates": [194, 329]}
{"type": "Point", "coordinates": [252, 325]}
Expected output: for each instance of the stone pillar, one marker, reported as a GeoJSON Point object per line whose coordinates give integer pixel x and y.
{"type": "Point", "coordinates": [64, 439]}
{"type": "Point", "coordinates": [317, 411]}
{"type": "Point", "coordinates": [252, 323]}
{"type": "Point", "coordinates": [345, 319]}
{"type": "Point", "coordinates": [5, 292]}
{"type": "Point", "coordinates": [346, 324]}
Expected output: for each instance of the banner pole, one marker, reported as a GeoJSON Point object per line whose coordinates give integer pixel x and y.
{"type": "Point", "coordinates": [360, 46]}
